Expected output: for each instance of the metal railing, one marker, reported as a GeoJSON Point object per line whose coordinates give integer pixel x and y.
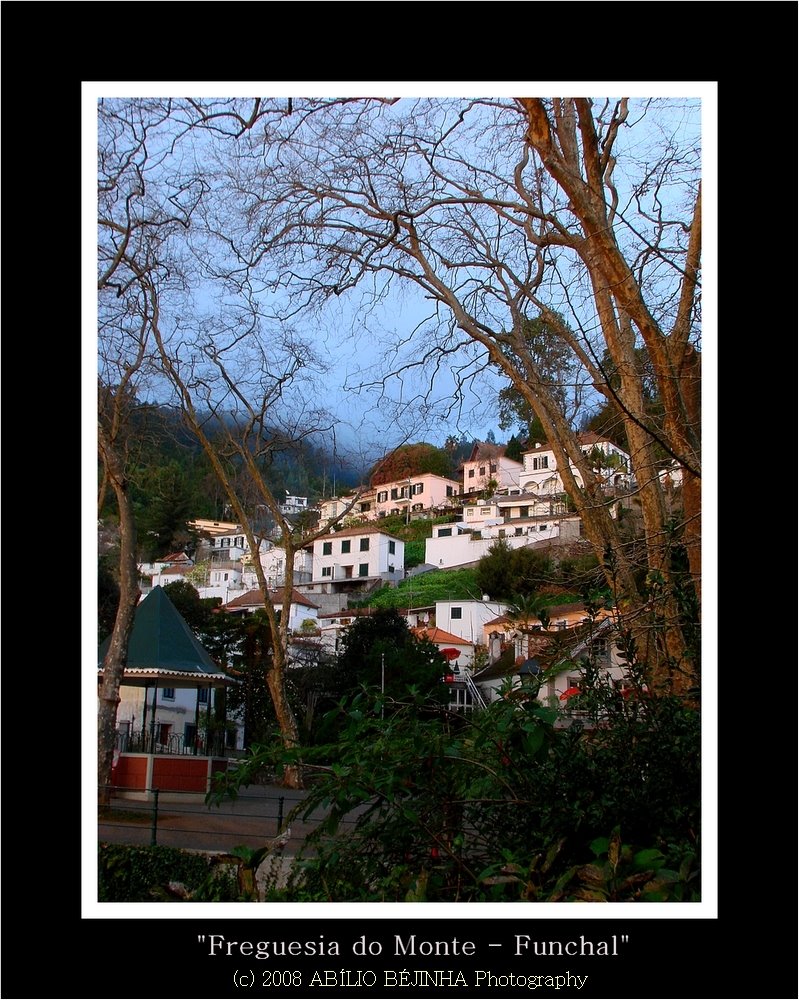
{"type": "Point", "coordinates": [153, 741]}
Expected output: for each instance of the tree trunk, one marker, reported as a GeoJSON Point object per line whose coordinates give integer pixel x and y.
{"type": "Point", "coordinates": [117, 656]}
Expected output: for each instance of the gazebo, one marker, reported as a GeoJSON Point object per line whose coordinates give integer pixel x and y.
{"type": "Point", "coordinates": [164, 653]}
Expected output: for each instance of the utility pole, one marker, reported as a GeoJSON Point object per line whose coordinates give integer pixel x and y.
{"type": "Point", "coordinates": [382, 684]}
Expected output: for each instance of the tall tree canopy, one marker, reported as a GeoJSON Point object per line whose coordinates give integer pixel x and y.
{"type": "Point", "coordinates": [580, 214]}
{"type": "Point", "coordinates": [411, 460]}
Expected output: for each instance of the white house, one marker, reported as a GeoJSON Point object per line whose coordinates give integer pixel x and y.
{"type": "Point", "coordinates": [489, 462]}
{"type": "Point", "coordinates": [223, 541]}
{"type": "Point", "coordinates": [354, 505]}
{"type": "Point", "coordinates": [354, 558]}
{"type": "Point", "coordinates": [301, 609]}
{"type": "Point", "coordinates": [540, 473]}
{"type": "Point", "coordinates": [332, 625]}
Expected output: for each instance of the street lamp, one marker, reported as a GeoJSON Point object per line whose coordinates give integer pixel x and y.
{"type": "Point", "coordinates": [382, 684]}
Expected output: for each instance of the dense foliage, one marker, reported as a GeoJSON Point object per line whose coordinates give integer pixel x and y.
{"type": "Point", "coordinates": [505, 805]}
{"type": "Point", "coordinates": [505, 572]}
{"type": "Point", "coordinates": [136, 874]}
{"type": "Point", "coordinates": [411, 460]}
{"type": "Point", "coordinates": [380, 650]}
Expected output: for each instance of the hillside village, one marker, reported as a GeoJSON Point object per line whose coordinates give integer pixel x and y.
{"type": "Point", "coordinates": [488, 646]}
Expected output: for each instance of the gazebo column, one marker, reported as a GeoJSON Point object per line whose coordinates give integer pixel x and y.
{"type": "Point", "coordinates": [152, 721]}
{"type": "Point", "coordinates": [144, 716]}
{"type": "Point", "coordinates": [196, 721]}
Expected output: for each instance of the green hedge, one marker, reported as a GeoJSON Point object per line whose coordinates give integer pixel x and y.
{"type": "Point", "coordinates": [130, 874]}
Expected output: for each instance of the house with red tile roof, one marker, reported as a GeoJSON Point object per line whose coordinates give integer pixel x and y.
{"type": "Point", "coordinates": [301, 608]}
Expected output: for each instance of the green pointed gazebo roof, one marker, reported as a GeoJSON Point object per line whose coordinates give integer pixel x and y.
{"type": "Point", "coordinates": [163, 647]}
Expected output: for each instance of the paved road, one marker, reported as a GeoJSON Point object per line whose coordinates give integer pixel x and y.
{"type": "Point", "coordinates": [256, 816]}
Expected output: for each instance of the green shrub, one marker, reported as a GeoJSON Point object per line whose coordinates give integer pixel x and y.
{"type": "Point", "coordinates": [131, 874]}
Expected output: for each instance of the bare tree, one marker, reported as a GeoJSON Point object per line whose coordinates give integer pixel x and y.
{"type": "Point", "coordinates": [140, 208]}
{"type": "Point", "coordinates": [243, 392]}
{"type": "Point", "coordinates": [501, 212]}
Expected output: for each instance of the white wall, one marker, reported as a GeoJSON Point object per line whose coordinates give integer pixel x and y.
{"type": "Point", "coordinates": [473, 615]}
{"type": "Point", "coordinates": [459, 550]}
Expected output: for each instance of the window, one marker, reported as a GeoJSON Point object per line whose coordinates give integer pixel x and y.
{"type": "Point", "coordinates": [364, 545]}
{"type": "Point", "coordinates": [418, 488]}
{"type": "Point", "coordinates": [450, 491]}
{"type": "Point", "coordinates": [485, 510]}
{"type": "Point", "coordinates": [456, 613]}
{"type": "Point", "coordinates": [391, 567]}
{"type": "Point", "coordinates": [501, 532]}
{"type": "Point", "coordinates": [382, 496]}
{"type": "Point", "coordinates": [392, 548]}
{"type": "Point", "coordinates": [492, 467]}
{"type": "Point", "coordinates": [406, 491]}
{"type": "Point", "coordinates": [345, 546]}
{"type": "Point", "coordinates": [168, 694]}
{"type": "Point", "coordinates": [327, 548]}
{"type": "Point", "coordinates": [482, 470]}
{"type": "Point", "coordinates": [363, 569]}
{"type": "Point", "coordinates": [226, 576]}
{"type": "Point", "coordinates": [327, 571]}
{"type": "Point", "coordinates": [212, 542]}
{"type": "Point", "coordinates": [518, 531]}
{"type": "Point", "coordinates": [542, 462]}
{"type": "Point", "coordinates": [395, 494]}
{"type": "Point", "coordinates": [203, 696]}
{"type": "Point", "coordinates": [444, 532]}
{"type": "Point", "coordinates": [471, 473]}
{"type": "Point", "coordinates": [365, 507]}
{"type": "Point", "coordinates": [524, 512]}
{"type": "Point", "coordinates": [543, 527]}
{"type": "Point", "coordinates": [240, 541]}
{"type": "Point", "coordinates": [562, 625]}
{"type": "Point", "coordinates": [189, 735]}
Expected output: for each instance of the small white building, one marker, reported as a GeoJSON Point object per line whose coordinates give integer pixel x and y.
{"type": "Point", "coordinates": [461, 543]}
{"type": "Point", "coordinates": [467, 618]}
{"type": "Point", "coordinates": [301, 609]}
{"type": "Point", "coordinates": [273, 561]}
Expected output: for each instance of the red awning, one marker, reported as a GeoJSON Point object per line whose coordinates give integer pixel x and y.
{"type": "Point", "coordinates": [450, 653]}
{"type": "Point", "coordinates": [570, 693]}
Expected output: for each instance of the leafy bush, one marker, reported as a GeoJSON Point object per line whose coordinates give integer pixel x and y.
{"type": "Point", "coordinates": [135, 874]}
{"type": "Point", "coordinates": [504, 805]}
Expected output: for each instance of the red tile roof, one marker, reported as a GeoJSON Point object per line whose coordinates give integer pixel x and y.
{"type": "Point", "coordinates": [438, 635]}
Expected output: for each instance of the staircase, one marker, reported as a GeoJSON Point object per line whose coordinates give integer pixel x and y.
{"type": "Point", "coordinates": [477, 695]}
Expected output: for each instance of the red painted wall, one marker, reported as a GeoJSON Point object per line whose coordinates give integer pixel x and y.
{"type": "Point", "coordinates": [130, 772]}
